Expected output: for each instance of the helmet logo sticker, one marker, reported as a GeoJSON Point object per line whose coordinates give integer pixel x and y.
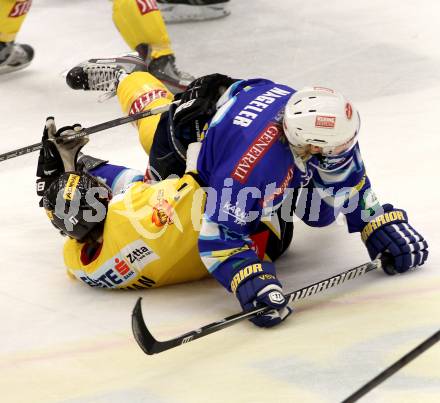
{"type": "Point", "coordinates": [70, 188]}
{"type": "Point", "coordinates": [326, 122]}
{"type": "Point", "coordinates": [348, 111]}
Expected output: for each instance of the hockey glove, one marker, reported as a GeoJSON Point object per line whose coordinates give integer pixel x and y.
{"type": "Point", "coordinates": [263, 289]}
{"type": "Point", "coordinates": [390, 232]}
{"type": "Point", "coordinates": [50, 165]}
{"type": "Point", "coordinates": [57, 156]}
{"type": "Point", "coordinates": [198, 106]}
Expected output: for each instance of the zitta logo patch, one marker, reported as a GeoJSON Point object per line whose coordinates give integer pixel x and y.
{"type": "Point", "coordinates": [71, 185]}
{"type": "Point", "coordinates": [137, 254]}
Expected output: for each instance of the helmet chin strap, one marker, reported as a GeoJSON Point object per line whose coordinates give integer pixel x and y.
{"type": "Point", "coordinates": [300, 160]}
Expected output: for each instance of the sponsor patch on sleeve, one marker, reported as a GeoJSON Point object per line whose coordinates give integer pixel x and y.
{"type": "Point", "coordinates": [20, 8]}
{"type": "Point", "coordinates": [146, 6]}
{"type": "Point", "coordinates": [141, 102]}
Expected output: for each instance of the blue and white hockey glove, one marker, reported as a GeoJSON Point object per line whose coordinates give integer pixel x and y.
{"type": "Point", "coordinates": [255, 287]}
{"type": "Point", "coordinates": [390, 232]}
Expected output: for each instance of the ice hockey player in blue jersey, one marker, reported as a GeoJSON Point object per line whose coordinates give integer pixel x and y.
{"type": "Point", "coordinates": [262, 150]}
{"type": "Point", "coordinates": [264, 141]}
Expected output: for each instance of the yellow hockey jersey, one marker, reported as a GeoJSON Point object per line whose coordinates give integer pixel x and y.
{"type": "Point", "coordinates": [149, 238]}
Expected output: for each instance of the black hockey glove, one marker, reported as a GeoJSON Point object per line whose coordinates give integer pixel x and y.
{"type": "Point", "coordinates": [50, 165]}
{"type": "Point", "coordinates": [198, 105]}
{"type": "Point", "coordinates": [55, 159]}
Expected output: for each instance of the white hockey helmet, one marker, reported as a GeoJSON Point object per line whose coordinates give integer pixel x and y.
{"type": "Point", "coordinates": [321, 117]}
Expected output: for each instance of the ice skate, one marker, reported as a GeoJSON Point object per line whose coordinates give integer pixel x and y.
{"type": "Point", "coordinates": [192, 10]}
{"type": "Point", "coordinates": [104, 74]}
{"type": "Point", "coordinates": [14, 56]}
{"type": "Point", "coordinates": [164, 68]}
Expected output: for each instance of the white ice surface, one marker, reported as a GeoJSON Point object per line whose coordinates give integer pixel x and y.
{"type": "Point", "coordinates": [61, 341]}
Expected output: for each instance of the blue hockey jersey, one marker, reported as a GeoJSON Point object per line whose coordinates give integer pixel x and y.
{"type": "Point", "coordinates": [249, 168]}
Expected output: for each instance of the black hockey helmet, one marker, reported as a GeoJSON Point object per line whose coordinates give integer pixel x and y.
{"type": "Point", "coordinates": [76, 203]}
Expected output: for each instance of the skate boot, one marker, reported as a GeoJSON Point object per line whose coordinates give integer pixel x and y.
{"type": "Point", "coordinates": [192, 10]}
{"type": "Point", "coordinates": [164, 68]}
{"type": "Point", "coordinates": [104, 74]}
{"type": "Point", "coordinates": [14, 56]}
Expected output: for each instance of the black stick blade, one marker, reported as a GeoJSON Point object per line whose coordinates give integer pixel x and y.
{"type": "Point", "coordinates": [152, 346]}
{"type": "Point", "coordinates": [141, 333]}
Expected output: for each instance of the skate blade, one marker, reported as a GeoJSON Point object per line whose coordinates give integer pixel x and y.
{"type": "Point", "coordinates": [11, 69]}
{"type": "Point", "coordinates": [175, 14]}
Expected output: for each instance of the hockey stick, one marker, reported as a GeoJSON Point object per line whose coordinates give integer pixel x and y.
{"type": "Point", "coordinates": [89, 130]}
{"type": "Point", "coordinates": [392, 369]}
{"type": "Point", "coordinates": [150, 345]}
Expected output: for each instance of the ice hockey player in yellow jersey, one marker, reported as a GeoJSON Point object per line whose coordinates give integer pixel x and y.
{"type": "Point", "coordinates": [139, 22]}
{"type": "Point", "coordinates": [125, 232]}
{"type": "Point", "coordinates": [141, 25]}
{"type": "Point", "coordinates": [13, 56]}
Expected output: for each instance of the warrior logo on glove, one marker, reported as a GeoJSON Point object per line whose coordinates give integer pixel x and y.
{"type": "Point", "coordinates": [391, 233]}
{"type": "Point", "coordinates": [276, 297]}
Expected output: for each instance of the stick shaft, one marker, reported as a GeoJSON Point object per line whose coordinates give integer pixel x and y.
{"type": "Point", "coordinates": [391, 370]}
{"type": "Point", "coordinates": [86, 131]}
